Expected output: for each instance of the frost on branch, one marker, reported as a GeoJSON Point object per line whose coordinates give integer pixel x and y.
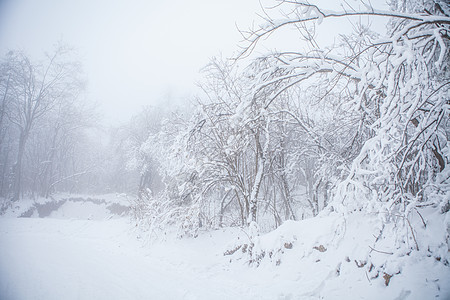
{"type": "Point", "coordinates": [396, 91]}
{"type": "Point", "coordinates": [398, 88]}
{"type": "Point", "coordinates": [359, 127]}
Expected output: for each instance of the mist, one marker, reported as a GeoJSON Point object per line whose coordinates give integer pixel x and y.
{"type": "Point", "coordinates": [133, 54]}
{"type": "Point", "coordinates": [265, 150]}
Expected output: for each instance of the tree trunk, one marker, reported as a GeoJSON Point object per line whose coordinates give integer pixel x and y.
{"type": "Point", "coordinates": [3, 109]}
{"type": "Point", "coordinates": [258, 179]}
{"type": "Point", "coordinates": [4, 170]}
{"type": "Point", "coordinates": [17, 184]}
{"type": "Point", "coordinates": [287, 196]}
{"type": "Point", "coordinates": [47, 173]}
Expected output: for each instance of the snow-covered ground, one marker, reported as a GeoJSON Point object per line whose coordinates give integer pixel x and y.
{"type": "Point", "coordinates": [83, 251]}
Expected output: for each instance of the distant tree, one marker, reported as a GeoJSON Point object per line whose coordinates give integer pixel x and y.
{"type": "Point", "coordinates": [135, 134]}
{"type": "Point", "coordinates": [31, 93]}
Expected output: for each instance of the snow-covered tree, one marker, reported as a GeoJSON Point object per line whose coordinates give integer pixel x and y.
{"type": "Point", "coordinates": [397, 87]}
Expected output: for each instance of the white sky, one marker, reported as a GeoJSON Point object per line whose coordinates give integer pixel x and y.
{"type": "Point", "coordinates": [135, 52]}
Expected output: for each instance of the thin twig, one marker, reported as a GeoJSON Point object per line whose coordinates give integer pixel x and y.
{"type": "Point", "coordinates": [423, 221]}
{"type": "Point", "coordinates": [413, 235]}
{"type": "Point", "coordinates": [390, 253]}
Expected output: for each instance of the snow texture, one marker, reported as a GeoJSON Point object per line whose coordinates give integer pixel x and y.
{"type": "Point", "coordinates": [62, 257]}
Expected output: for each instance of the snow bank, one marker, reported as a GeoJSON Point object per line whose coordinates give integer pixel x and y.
{"type": "Point", "coordinates": [332, 255]}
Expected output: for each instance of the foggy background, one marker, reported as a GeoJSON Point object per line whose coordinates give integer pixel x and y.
{"type": "Point", "coordinates": [134, 53]}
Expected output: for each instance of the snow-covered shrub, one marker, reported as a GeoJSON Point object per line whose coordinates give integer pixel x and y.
{"type": "Point", "coordinates": [292, 238]}
{"type": "Point", "coordinates": [159, 216]}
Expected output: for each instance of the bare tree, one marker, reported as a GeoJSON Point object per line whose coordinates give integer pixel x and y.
{"type": "Point", "coordinates": [34, 90]}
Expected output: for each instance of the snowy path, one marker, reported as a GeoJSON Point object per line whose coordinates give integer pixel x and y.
{"type": "Point", "coordinates": [70, 255]}
{"type": "Point", "coordinates": [84, 259]}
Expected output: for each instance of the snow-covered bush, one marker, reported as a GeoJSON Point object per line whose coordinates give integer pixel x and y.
{"type": "Point", "coordinates": [159, 217]}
